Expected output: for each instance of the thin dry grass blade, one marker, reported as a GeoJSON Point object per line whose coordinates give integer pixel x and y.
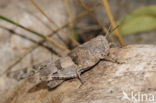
{"type": "Point", "coordinates": [75, 19]}
{"type": "Point", "coordinates": [92, 14]}
{"type": "Point", "coordinates": [50, 20]}
{"type": "Point", "coordinates": [36, 33]}
{"type": "Point", "coordinates": [71, 24]}
{"type": "Point", "coordinates": [111, 18]}
{"type": "Point", "coordinates": [42, 12]}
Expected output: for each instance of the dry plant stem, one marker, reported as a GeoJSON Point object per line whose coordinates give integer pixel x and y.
{"type": "Point", "coordinates": [36, 6]}
{"type": "Point", "coordinates": [44, 14]}
{"type": "Point", "coordinates": [75, 19]}
{"type": "Point", "coordinates": [38, 18]}
{"type": "Point", "coordinates": [71, 24]}
{"type": "Point", "coordinates": [42, 23]}
{"type": "Point", "coordinates": [68, 11]}
{"type": "Point", "coordinates": [35, 33]}
{"type": "Point", "coordinates": [57, 44]}
{"type": "Point", "coordinates": [109, 13]}
{"type": "Point", "coordinates": [92, 14]}
{"type": "Point", "coordinates": [51, 21]}
{"type": "Point", "coordinates": [27, 38]}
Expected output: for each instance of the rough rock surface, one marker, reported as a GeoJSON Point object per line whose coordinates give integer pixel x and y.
{"type": "Point", "coordinates": [104, 83]}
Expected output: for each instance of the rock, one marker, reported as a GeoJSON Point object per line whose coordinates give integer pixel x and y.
{"type": "Point", "coordinates": [107, 82]}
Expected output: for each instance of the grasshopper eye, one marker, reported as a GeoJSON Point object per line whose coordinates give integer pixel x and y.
{"type": "Point", "coordinates": [102, 54]}
{"type": "Point", "coordinates": [55, 72]}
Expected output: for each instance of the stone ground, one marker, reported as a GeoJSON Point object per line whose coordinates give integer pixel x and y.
{"type": "Point", "coordinates": [107, 82]}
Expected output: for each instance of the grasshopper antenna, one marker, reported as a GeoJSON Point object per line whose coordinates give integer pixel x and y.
{"type": "Point", "coordinates": [108, 35]}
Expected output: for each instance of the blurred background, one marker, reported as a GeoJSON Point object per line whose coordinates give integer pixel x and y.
{"type": "Point", "coordinates": [20, 49]}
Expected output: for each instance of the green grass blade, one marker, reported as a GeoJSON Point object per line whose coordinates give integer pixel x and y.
{"type": "Point", "coordinates": [27, 29]}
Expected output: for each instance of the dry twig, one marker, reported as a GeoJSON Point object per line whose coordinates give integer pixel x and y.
{"type": "Point", "coordinates": [109, 13]}
{"type": "Point", "coordinates": [27, 38]}
{"type": "Point", "coordinates": [92, 14]}
{"type": "Point", "coordinates": [51, 21]}
{"type": "Point", "coordinates": [75, 19]}
{"type": "Point", "coordinates": [35, 33]}
{"type": "Point", "coordinates": [71, 24]}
